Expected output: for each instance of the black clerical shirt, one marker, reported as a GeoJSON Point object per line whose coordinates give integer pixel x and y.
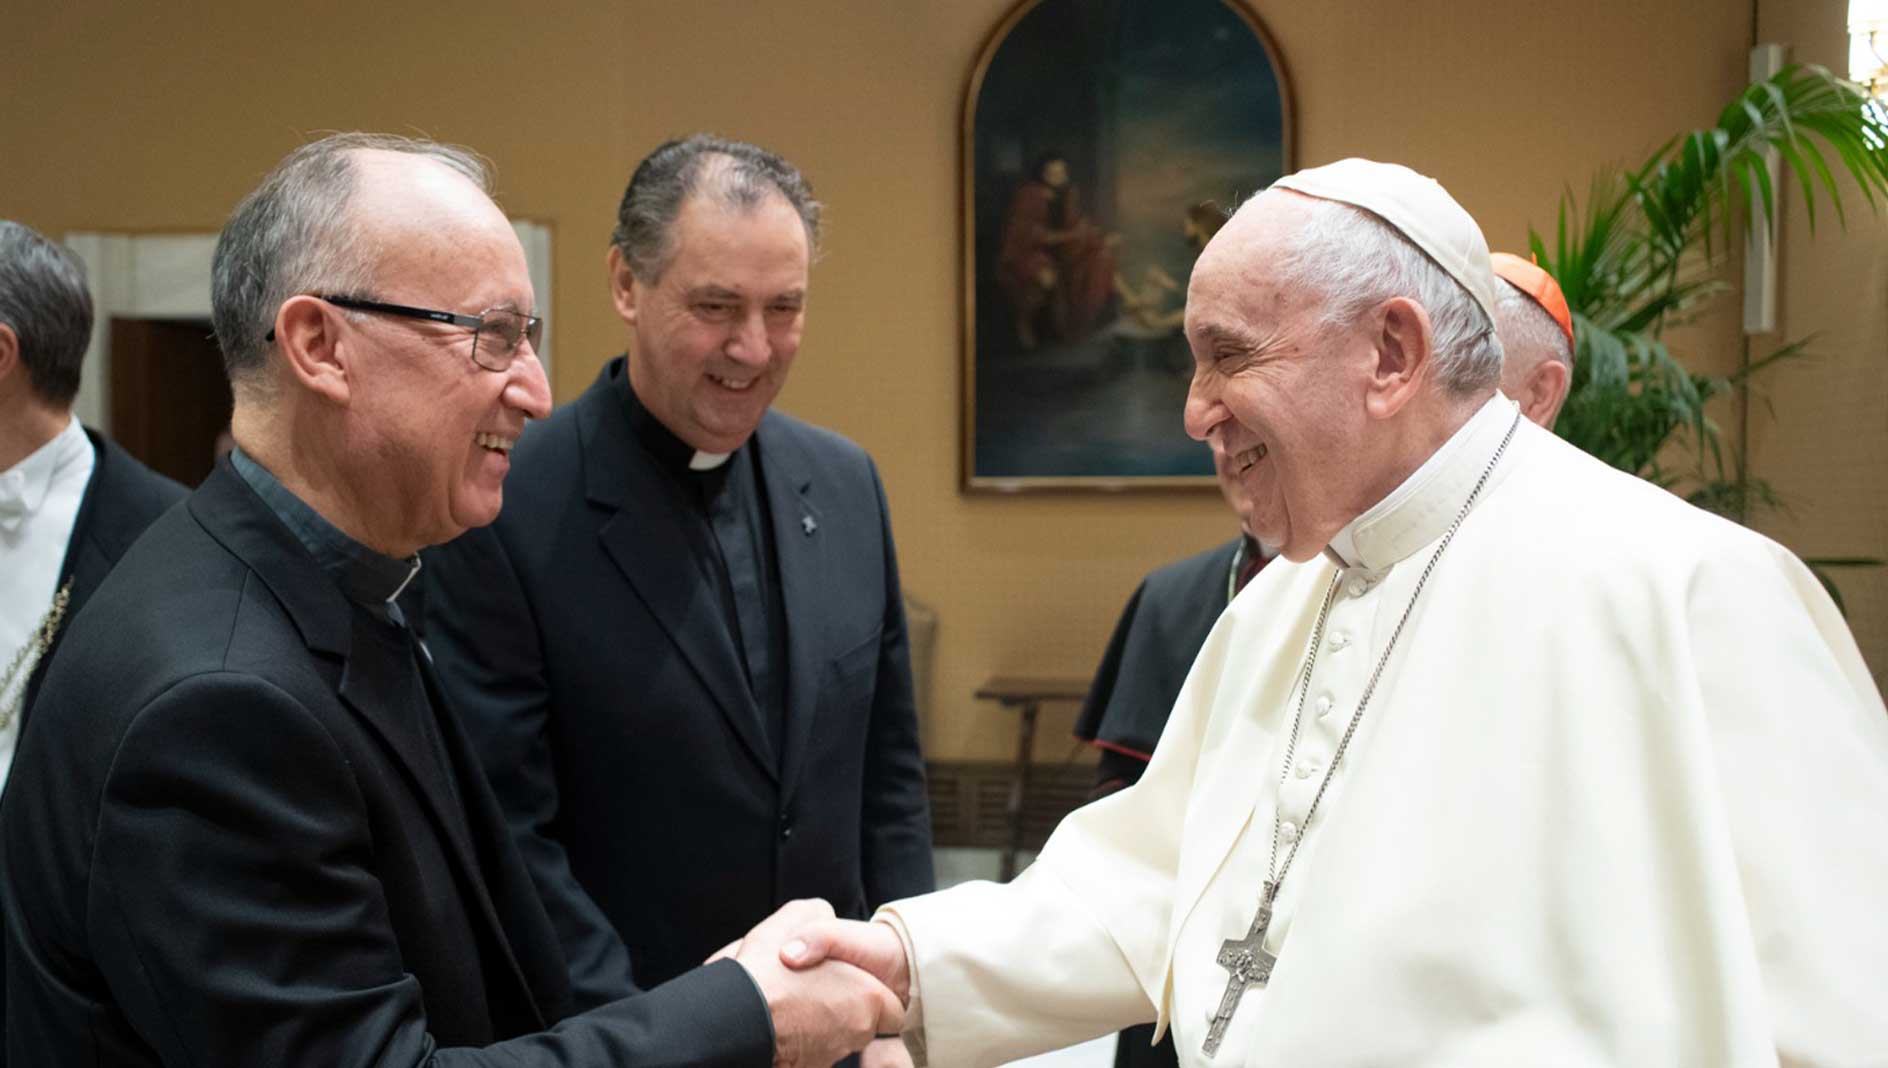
{"type": "Point", "coordinates": [738, 555]}
{"type": "Point", "coordinates": [368, 578]}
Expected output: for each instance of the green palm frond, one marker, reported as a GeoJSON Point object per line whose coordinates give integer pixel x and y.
{"type": "Point", "coordinates": [1629, 395]}
{"type": "Point", "coordinates": [1794, 350]}
{"type": "Point", "coordinates": [1709, 175]}
{"type": "Point", "coordinates": [1646, 249]}
{"type": "Point", "coordinates": [1642, 226]}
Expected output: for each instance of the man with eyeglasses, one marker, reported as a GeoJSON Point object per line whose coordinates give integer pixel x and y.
{"type": "Point", "coordinates": [246, 828]}
{"type": "Point", "coordinates": [682, 649]}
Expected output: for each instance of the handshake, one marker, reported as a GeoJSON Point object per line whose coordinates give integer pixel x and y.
{"type": "Point", "coordinates": [832, 986]}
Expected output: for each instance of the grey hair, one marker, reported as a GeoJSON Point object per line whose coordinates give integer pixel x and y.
{"type": "Point", "coordinates": [44, 298]}
{"type": "Point", "coordinates": [735, 174]}
{"type": "Point", "coordinates": [296, 234]}
{"type": "Point", "coordinates": [1526, 327]}
{"type": "Point", "coordinates": [1357, 261]}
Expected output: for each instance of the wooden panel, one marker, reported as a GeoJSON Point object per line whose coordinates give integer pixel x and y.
{"type": "Point", "coordinates": [169, 396]}
{"type": "Point", "coordinates": [968, 800]}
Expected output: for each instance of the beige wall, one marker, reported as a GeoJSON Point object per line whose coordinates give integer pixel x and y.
{"type": "Point", "coordinates": [112, 122]}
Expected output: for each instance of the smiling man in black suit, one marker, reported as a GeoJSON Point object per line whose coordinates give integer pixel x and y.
{"type": "Point", "coordinates": [682, 649]}
{"type": "Point", "coordinates": [246, 828]}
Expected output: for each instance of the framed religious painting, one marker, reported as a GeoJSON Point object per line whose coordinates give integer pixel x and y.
{"type": "Point", "coordinates": [1105, 141]}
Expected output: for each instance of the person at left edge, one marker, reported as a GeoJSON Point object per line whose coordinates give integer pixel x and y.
{"type": "Point", "coordinates": [245, 829]}
{"type": "Point", "coordinates": [71, 500]}
{"type": "Point", "coordinates": [681, 650]}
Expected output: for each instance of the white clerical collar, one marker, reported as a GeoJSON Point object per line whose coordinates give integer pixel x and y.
{"type": "Point", "coordinates": [707, 461]}
{"type": "Point", "coordinates": [1418, 511]}
{"type": "Point", "coordinates": [26, 484]}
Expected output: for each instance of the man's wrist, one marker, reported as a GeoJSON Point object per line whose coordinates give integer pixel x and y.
{"type": "Point", "coordinates": [904, 982]}
{"type": "Point", "coordinates": [906, 987]}
{"type": "Point", "coordinates": [766, 1008]}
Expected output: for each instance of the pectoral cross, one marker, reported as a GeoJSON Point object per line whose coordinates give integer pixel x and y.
{"type": "Point", "coordinates": [1249, 964]}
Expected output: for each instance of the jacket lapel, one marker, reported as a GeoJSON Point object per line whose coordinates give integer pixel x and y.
{"type": "Point", "coordinates": [800, 544]}
{"type": "Point", "coordinates": [487, 825]}
{"type": "Point", "coordinates": [662, 552]}
{"type": "Point", "coordinates": [371, 686]}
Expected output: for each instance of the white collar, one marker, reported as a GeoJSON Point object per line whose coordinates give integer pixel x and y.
{"type": "Point", "coordinates": [30, 480]}
{"type": "Point", "coordinates": [1418, 511]}
{"type": "Point", "coordinates": [707, 461]}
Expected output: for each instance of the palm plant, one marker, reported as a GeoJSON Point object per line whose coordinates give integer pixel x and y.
{"type": "Point", "coordinates": [1648, 251]}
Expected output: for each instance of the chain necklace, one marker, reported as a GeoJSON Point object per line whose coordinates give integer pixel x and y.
{"type": "Point", "coordinates": [1245, 958]}
{"type": "Point", "coordinates": [37, 642]}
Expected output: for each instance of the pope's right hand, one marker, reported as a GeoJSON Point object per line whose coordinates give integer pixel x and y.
{"type": "Point", "coordinates": [874, 947]}
{"type": "Point", "coordinates": [821, 1012]}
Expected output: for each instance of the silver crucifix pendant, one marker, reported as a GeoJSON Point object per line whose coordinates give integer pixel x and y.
{"type": "Point", "coordinates": [1249, 964]}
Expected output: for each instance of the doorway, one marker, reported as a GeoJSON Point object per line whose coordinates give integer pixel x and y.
{"type": "Point", "coordinates": [169, 397]}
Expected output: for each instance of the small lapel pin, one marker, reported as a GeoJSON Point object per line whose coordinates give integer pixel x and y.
{"type": "Point", "coordinates": [808, 524]}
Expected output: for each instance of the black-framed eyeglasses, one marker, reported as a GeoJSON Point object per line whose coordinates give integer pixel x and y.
{"type": "Point", "coordinates": [496, 332]}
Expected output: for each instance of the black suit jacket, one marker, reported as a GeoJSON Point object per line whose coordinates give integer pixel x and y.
{"type": "Point", "coordinates": [230, 839]}
{"type": "Point", "coordinates": [1160, 632]}
{"type": "Point", "coordinates": [582, 639]}
{"type": "Point", "coordinates": [121, 499]}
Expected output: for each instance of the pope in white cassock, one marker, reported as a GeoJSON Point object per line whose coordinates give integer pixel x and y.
{"type": "Point", "coordinates": [1514, 760]}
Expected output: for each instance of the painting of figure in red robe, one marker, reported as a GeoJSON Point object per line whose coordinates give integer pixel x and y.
{"type": "Point", "coordinates": [1055, 266]}
{"type": "Point", "coordinates": [1105, 142]}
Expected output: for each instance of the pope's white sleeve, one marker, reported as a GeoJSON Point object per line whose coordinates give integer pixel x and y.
{"type": "Point", "coordinates": [1078, 945]}
{"type": "Point", "coordinates": [1009, 970]}
{"type": "Point", "coordinates": [1800, 738]}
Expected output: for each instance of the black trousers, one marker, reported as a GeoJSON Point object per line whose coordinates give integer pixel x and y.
{"type": "Point", "coordinates": [1133, 1050]}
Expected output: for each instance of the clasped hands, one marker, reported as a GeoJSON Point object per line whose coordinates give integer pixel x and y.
{"type": "Point", "coordinates": [832, 985]}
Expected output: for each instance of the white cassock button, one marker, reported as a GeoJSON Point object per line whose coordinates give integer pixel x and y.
{"type": "Point", "coordinates": [1358, 587]}
{"type": "Point", "coordinates": [1289, 832]}
{"type": "Point", "coordinates": [1339, 640]}
{"type": "Point", "coordinates": [1306, 769]}
{"type": "Point", "coordinates": [1324, 705]}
